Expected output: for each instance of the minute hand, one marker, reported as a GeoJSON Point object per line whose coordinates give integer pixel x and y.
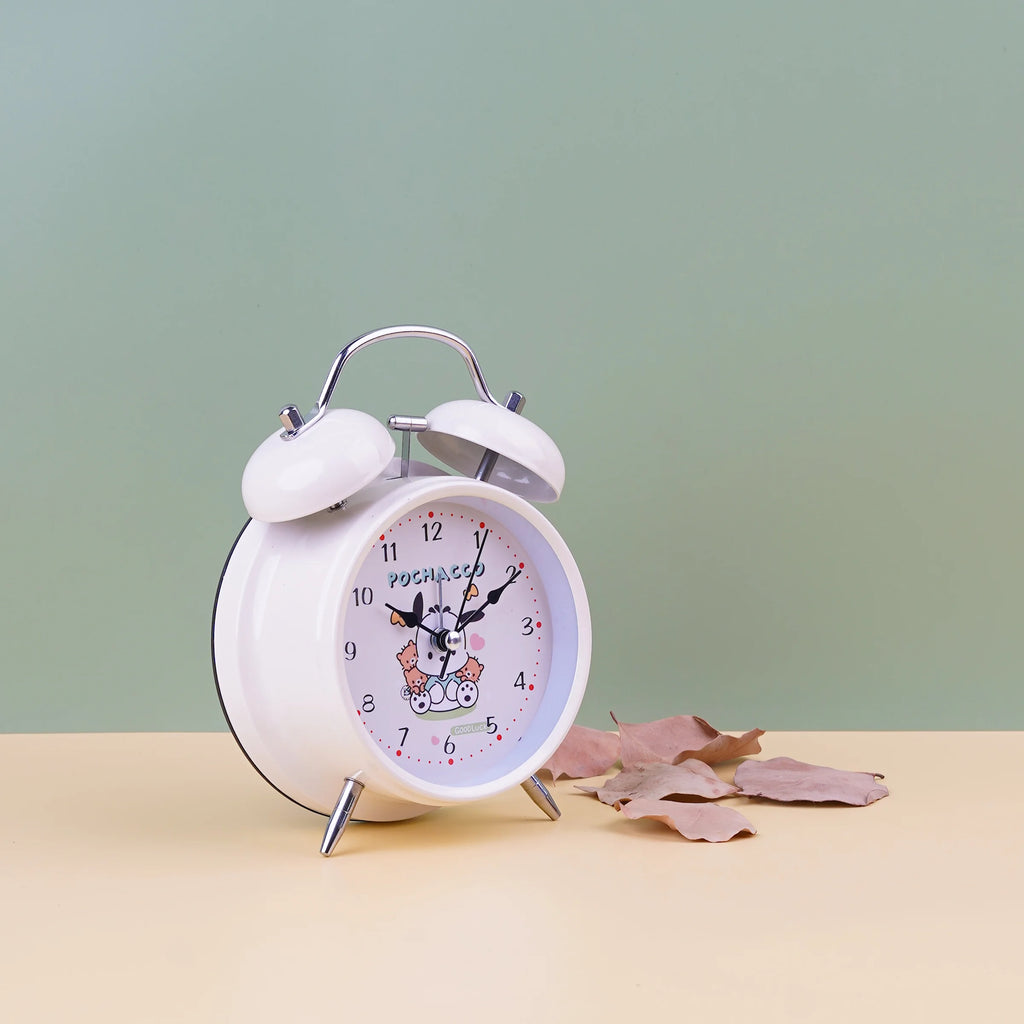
{"type": "Point", "coordinates": [493, 596]}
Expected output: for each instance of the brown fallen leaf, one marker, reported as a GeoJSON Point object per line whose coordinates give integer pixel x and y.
{"type": "Point", "coordinates": [658, 781]}
{"type": "Point", "coordinates": [679, 738]}
{"type": "Point", "coordinates": [583, 754]}
{"type": "Point", "coordinates": [786, 780]}
{"type": "Point", "coordinates": [712, 822]}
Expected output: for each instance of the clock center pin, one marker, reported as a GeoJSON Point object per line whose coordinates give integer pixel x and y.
{"type": "Point", "coordinates": [449, 641]}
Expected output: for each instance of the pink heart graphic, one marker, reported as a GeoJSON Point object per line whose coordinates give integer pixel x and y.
{"type": "Point", "coordinates": [476, 641]}
{"type": "Point", "coordinates": [435, 740]}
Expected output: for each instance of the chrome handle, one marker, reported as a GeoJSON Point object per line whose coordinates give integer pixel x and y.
{"type": "Point", "coordinates": [292, 420]}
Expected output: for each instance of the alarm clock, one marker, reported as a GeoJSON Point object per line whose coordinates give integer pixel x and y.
{"type": "Point", "coordinates": [395, 635]}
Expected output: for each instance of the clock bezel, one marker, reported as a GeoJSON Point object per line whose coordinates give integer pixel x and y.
{"type": "Point", "coordinates": [548, 569]}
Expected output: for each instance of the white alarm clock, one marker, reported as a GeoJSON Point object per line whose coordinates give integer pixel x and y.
{"type": "Point", "coordinates": [388, 633]}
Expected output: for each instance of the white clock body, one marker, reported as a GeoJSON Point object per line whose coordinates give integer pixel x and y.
{"type": "Point", "coordinates": [381, 641]}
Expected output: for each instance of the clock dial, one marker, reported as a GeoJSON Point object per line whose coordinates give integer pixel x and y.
{"type": "Point", "coordinates": [447, 642]}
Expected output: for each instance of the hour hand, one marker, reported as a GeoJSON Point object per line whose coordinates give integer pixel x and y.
{"type": "Point", "coordinates": [411, 619]}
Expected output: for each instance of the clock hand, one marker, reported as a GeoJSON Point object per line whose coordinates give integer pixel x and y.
{"type": "Point", "coordinates": [413, 619]}
{"type": "Point", "coordinates": [493, 596]}
{"type": "Point", "coordinates": [465, 598]}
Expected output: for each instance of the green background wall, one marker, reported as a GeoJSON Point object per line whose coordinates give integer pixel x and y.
{"type": "Point", "coordinates": [758, 269]}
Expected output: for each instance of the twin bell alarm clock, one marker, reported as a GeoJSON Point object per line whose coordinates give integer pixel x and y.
{"type": "Point", "coordinates": [392, 635]}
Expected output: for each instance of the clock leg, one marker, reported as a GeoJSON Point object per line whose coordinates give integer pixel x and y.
{"type": "Point", "coordinates": [343, 809]}
{"type": "Point", "coordinates": [538, 793]}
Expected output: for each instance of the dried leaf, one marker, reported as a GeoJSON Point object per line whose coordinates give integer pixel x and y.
{"type": "Point", "coordinates": [712, 822]}
{"type": "Point", "coordinates": [677, 739]}
{"type": "Point", "coordinates": [583, 754]}
{"type": "Point", "coordinates": [657, 781]}
{"type": "Point", "coordinates": [784, 779]}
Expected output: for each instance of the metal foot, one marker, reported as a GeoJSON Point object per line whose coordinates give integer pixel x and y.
{"type": "Point", "coordinates": [538, 793]}
{"type": "Point", "coordinates": [343, 809]}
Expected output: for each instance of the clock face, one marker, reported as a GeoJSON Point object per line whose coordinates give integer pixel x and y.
{"type": "Point", "coordinates": [447, 640]}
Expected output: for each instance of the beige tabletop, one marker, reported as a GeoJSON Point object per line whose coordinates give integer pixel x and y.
{"type": "Point", "coordinates": [158, 878]}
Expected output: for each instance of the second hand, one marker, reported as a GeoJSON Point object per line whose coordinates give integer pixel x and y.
{"type": "Point", "coordinates": [465, 596]}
